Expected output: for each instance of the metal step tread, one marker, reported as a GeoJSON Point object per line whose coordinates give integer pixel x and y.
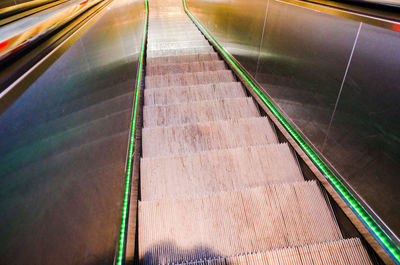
{"type": "Point", "coordinates": [168, 41]}
{"type": "Point", "coordinates": [154, 30]}
{"type": "Point", "coordinates": [187, 79]}
{"type": "Point", "coordinates": [189, 175]}
{"type": "Point", "coordinates": [175, 37]}
{"type": "Point", "coordinates": [183, 51]}
{"type": "Point", "coordinates": [228, 223]}
{"type": "Point", "coordinates": [185, 94]}
{"type": "Point", "coordinates": [340, 252]}
{"type": "Point", "coordinates": [201, 111]}
{"type": "Point", "coordinates": [197, 57]}
{"type": "Point", "coordinates": [203, 66]}
{"type": "Point", "coordinates": [190, 138]}
{"type": "Point", "coordinates": [176, 44]}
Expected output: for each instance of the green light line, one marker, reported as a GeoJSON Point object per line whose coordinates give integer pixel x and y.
{"type": "Point", "coordinates": [373, 226]}
{"type": "Point", "coordinates": [121, 244]}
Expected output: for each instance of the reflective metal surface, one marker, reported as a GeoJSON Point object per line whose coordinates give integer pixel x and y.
{"type": "Point", "coordinates": [336, 78]}
{"type": "Point", "coordinates": [375, 8]}
{"type": "Point", "coordinates": [364, 135]}
{"type": "Point", "coordinates": [18, 11]}
{"type": "Point", "coordinates": [18, 35]}
{"type": "Point", "coordinates": [63, 147]}
{"type": "Point", "coordinates": [387, 2]}
{"type": "Point", "coordinates": [297, 66]}
{"type": "Point", "coordinates": [237, 25]}
{"type": "Point", "coordinates": [8, 3]}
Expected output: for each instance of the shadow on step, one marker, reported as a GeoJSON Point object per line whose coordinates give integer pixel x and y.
{"type": "Point", "coordinates": [169, 253]}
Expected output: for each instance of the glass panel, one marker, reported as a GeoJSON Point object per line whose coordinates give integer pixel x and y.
{"type": "Point", "coordinates": [236, 25]}
{"type": "Point", "coordinates": [364, 139]}
{"type": "Point", "coordinates": [303, 61]}
{"type": "Point", "coordinates": [63, 147]}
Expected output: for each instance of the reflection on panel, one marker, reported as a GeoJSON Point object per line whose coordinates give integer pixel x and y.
{"type": "Point", "coordinates": [364, 137]}
{"type": "Point", "coordinates": [238, 26]}
{"type": "Point", "coordinates": [302, 64]}
{"type": "Point", "coordinates": [63, 147]}
{"type": "Point", "coordinates": [7, 3]}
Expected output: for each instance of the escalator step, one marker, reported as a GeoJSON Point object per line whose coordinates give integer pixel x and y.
{"type": "Point", "coordinates": [173, 140]}
{"type": "Point", "coordinates": [220, 170]}
{"type": "Point", "coordinates": [158, 24]}
{"type": "Point", "coordinates": [187, 79]}
{"type": "Point", "coordinates": [174, 52]}
{"type": "Point", "coordinates": [176, 45]}
{"type": "Point", "coordinates": [204, 66]}
{"type": "Point", "coordinates": [166, 30]}
{"type": "Point", "coordinates": [185, 94]}
{"type": "Point", "coordinates": [201, 111]}
{"type": "Point", "coordinates": [338, 252]}
{"type": "Point", "coordinates": [167, 41]}
{"type": "Point", "coordinates": [171, 37]}
{"type": "Point", "coordinates": [229, 223]}
{"type": "Point", "coordinates": [205, 56]}
{"type": "Point", "coordinates": [187, 31]}
{"type": "Point", "coordinates": [185, 46]}
{"type": "Point", "coordinates": [168, 22]}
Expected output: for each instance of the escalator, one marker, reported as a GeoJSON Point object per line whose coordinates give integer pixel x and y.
{"type": "Point", "coordinates": [135, 112]}
{"type": "Point", "coordinates": [217, 186]}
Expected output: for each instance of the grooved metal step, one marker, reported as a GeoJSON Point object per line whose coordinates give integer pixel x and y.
{"type": "Point", "coordinates": [166, 31]}
{"type": "Point", "coordinates": [197, 57]}
{"type": "Point", "coordinates": [173, 37]}
{"type": "Point", "coordinates": [185, 94]}
{"type": "Point", "coordinates": [176, 45]}
{"type": "Point", "coordinates": [173, 41]}
{"type": "Point", "coordinates": [180, 176]}
{"type": "Point", "coordinates": [184, 51]}
{"type": "Point", "coordinates": [202, 111]}
{"type": "Point", "coordinates": [164, 69]}
{"type": "Point", "coordinates": [161, 141]}
{"type": "Point", "coordinates": [229, 223]}
{"type": "Point", "coordinates": [339, 252]}
{"type": "Point", "coordinates": [187, 79]}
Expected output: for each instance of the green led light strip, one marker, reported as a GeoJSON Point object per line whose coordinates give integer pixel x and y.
{"type": "Point", "coordinates": [122, 236]}
{"type": "Point", "coordinates": [373, 226]}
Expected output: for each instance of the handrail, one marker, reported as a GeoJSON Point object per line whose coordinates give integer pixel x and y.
{"type": "Point", "coordinates": [374, 8]}
{"type": "Point", "coordinates": [120, 259]}
{"type": "Point", "coordinates": [384, 237]}
{"type": "Point", "coordinates": [374, 19]}
{"type": "Point", "coordinates": [15, 12]}
{"type": "Point", "coordinates": [22, 54]}
{"type": "Point", "coordinates": [375, 3]}
{"type": "Point", "coordinates": [11, 10]}
{"type": "Point", "coordinates": [14, 44]}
